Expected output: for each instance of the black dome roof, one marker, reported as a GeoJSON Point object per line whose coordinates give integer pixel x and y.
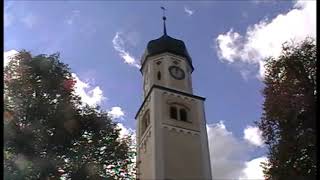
{"type": "Point", "coordinates": [166, 44]}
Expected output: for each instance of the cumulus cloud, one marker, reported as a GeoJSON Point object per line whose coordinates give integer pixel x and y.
{"type": "Point", "coordinates": [89, 95]}
{"type": "Point", "coordinates": [265, 38]}
{"type": "Point", "coordinates": [92, 96]}
{"type": "Point", "coordinates": [253, 135]}
{"type": "Point", "coordinates": [225, 151]}
{"type": "Point", "coordinates": [188, 11]}
{"type": "Point", "coordinates": [124, 132]}
{"type": "Point", "coordinates": [229, 155]}
{"type": "Point", "coordinates": [119, 46]}
{"type": "Point", "coordinates": [228, 45]}
{"type": "Point", "coordinates": [7, 55]}
{"type": "Point", "coordinates": [116, 113]}
{"type": "Point", "coordinates": [253, 169]}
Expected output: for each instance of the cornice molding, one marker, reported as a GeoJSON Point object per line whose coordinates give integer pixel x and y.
{"type": "Point", "coordinates": [169, 90]}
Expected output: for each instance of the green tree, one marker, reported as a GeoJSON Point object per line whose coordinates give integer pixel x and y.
{"type": "Point", "coordinates": [288, 122]}
{"type": "Point", "coordinates": [49, 133]}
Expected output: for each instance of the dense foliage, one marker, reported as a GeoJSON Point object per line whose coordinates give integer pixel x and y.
{"type": "Point", "coordinates": [289, 119]}
{"type": "Point", "coordinates": [49, 133]}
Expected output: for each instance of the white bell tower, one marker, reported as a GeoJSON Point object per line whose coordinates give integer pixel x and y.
{"type": "Point", "coordinates": [171, 127]}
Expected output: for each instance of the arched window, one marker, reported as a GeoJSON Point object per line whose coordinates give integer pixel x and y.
{"type": "Point", "coordinates": [183, 114]}
{"type": "Point", "coordinates": [159, 75]}
{"type": "Point", "coordinates": [173, 112]}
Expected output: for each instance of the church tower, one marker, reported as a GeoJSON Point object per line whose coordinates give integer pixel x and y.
{"type": "Point", "coordinates": [171, 134]}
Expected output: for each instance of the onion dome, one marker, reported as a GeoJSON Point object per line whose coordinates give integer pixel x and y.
{"type": "Point", "coordinates": [166, 44]}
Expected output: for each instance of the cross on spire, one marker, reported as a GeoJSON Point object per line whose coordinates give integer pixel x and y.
{"type": "Point", "coordinates": [164, 21]}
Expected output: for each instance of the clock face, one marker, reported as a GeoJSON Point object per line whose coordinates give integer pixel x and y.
{"type": "Point", "coordinates": [176, 72]}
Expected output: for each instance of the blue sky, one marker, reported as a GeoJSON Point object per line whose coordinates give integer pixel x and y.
{"type": "Point", "coordinates": [227, 41]}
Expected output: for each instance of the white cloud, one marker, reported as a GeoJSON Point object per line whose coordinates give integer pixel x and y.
{"type": "Point", "coordinates": [265, 38]}
{"type": "Point", "coordinates": [253, 135]}
{"type": "Point", "coordinates": [118, 44]}
{"type": "Point", "coordinates": [227, 46]}
{"type": "Point", "coordinates": [7, 55]}
{"type": "Point", "coordinates": [90, 95]}
{"type": "Point", "coordinates": [253, 169]}
{"type": "Point", "coordinates": [224, 152]}
{"type": "Point", "coordinates": [188, 11]}
{"type": "Point", "coordinates": [29, 20]}
{"type": "Point", "coordinates": [229, 155]}
{"type": "Point", "coordinates": [116, 113]}
{"type": "Point", "coordinates": [124, 132]}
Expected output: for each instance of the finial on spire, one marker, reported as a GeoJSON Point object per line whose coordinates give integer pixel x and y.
{"type": "Point", "coordinates": [164, 21]}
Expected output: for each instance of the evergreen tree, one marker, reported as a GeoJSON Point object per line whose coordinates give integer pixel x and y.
{"type": "Point", "coordinates": [289, 119]}
{"type": "Point", "coordinates": [49, 133]}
